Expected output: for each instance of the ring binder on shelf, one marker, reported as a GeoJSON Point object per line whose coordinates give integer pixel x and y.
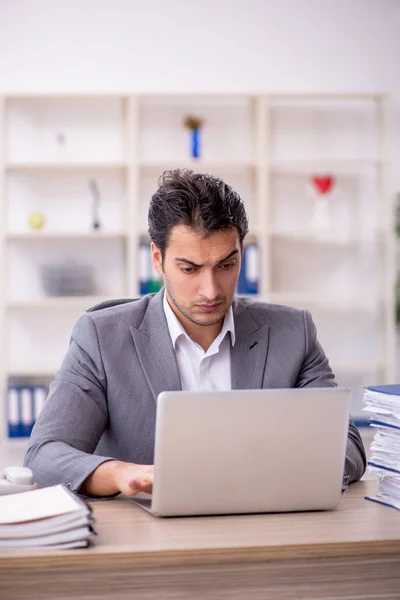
{"type": "Point", "coordinates": [24, 406]}
{"type": "Point", "coordinates": [249, 276]}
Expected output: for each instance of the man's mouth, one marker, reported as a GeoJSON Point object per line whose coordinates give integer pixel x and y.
{"type": "Point", "coordinates": [208, 307]}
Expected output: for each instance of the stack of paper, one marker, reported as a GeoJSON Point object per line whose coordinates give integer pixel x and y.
{"type": "Point", "coordinates": [48, 518]}
{"type": "Point", "coordinates": [383, 405]}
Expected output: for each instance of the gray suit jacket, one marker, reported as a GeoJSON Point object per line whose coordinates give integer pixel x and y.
{"type": "Point", "coordinates": [102, 404]}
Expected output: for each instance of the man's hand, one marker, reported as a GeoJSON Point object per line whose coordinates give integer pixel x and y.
{"type": "Point", "coordinates": [115, 476]}
{"type": "Point", "coordinates": [131, 479]}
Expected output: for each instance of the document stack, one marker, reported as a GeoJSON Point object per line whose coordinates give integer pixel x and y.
{"type": "Point", "coordinates": [383, 405]}
{"type": "Point", "coordinates": [48, 518]}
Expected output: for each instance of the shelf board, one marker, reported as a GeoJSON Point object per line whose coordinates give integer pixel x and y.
{"type": "Point", "coordinates": [12, 450]}
{"type": "Point", "coordinates": [197, 165]}
{"type": "Point", "coordinates": [338, 366]}
{"type": "Point", "coordinates": [63, 165]}
{"type": "Point", "coordinates": [161, 94]}
{"type": "Point", "coordinates": [42, 371]}
{"type": "Point", "coordinates": [56, 302]}
{"type": "Point", "coordinates": [315, 301]}
{"type": "Point", "coordinates": [298, 238]}
{"type": "Point", "coordinates": [295, 97]}
{"type": "Point", "coordinates": [253, 236]}
{"type": "Point", "coordinates": [258, 297]}
{"type": "Point", "coordinates": [355, 365]}
{"type": "Point", "coordinates": [326, 165]}
{"type": "Point", "coordinates": [311, 301]}
{"type": "Point", "coordinates": [63, 235]}
{"type": "Point", "coordinates": [105, 95]}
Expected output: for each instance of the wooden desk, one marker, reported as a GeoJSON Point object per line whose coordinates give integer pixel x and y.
{"type": "Point", "coordinates": [352, 552]}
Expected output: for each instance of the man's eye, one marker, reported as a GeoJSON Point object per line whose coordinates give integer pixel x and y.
{"type": "Point", "coordinates": [188, 270]}
{"type": "Point", "coordinates": [227, 266]}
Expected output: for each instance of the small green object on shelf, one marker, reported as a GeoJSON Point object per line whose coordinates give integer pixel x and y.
{"type": "Point", "coordinates": [155, 285]}
{"type": "Point", "coordinates": [37, 221]}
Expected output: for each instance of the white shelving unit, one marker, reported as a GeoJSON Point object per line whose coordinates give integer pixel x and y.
{"type": "Point", "coordinates": [266, 146]}
{"type": "Point", "coordinates": [58, 303]}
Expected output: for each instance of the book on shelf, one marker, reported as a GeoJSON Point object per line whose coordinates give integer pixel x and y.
{"type": "Point", "coordinates": [150, 280]}
{"type": "Point", "coordinates": [47, 518]}
{"type": "Point", "coordinates": [25, 403]}
{"type": "Point", "coordinates": [249, 276]}
{"type": "Point", "coordinates": [383, 405]}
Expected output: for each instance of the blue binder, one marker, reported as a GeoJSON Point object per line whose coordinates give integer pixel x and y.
{"type": "Point", "coordinates": [392, 388]}
{"type": "Point", "coordinates": [24, 405]}
{"type": "Point", "coordinates": [248, 282]}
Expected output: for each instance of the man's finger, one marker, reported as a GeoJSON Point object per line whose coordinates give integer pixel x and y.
{"type": "Point", "coordinates": [139, 483]}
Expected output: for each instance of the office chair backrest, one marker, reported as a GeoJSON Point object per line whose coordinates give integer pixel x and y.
{"type": "Point", "coordinates": [108, 303]}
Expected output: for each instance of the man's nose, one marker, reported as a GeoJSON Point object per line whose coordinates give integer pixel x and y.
{"type": "Point", "coordinates": [209, 286]}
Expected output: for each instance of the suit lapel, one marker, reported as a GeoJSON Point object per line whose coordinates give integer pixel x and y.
{"type": "Point", "coordinates": [155, 350]}
{"type": "Point", "coordinates": [157, 357]}
{"type": "Point", "coordinates": [249, 354]}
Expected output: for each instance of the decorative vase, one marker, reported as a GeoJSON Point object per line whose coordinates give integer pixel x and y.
{"type": "Point", "coordinates": [321, 221]}
{"type": "Point", "coordinates": [195, 142]}
{"type": "Point", "coordinates": [321, 218]}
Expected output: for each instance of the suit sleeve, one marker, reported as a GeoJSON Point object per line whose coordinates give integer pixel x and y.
{"type": "Point", "coordinates": [74, 416]}
{"type": "Point", "coordinates": [316, 372]}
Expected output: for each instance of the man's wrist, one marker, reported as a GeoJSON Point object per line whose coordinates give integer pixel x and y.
{"type": "Point", "coordinates": [104, 481]}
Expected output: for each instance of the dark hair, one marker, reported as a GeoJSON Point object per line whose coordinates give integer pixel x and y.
{"type": "Point", "coordinates": [203, 202]}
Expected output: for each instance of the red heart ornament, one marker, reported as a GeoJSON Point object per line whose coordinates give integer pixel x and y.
{"type": "Point", "coordinates": [324, 184]}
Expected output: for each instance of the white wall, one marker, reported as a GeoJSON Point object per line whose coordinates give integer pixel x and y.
{"type": "Point", "coordinates": [156, 45]}
{"type": "Point", "coordinates": [207, 45]}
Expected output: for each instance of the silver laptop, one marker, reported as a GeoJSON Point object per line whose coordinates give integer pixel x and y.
{"type": "Point", "coordinates": [248, 451]}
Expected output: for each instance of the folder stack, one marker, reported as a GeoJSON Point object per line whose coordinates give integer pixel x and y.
{"type": "Point", "coordinates": [48, 518]}
{"type": "Point", "coordinates": [383, 405]}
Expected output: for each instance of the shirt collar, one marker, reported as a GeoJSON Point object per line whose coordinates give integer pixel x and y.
{"type": "Point", "coordinates": [176, 328]}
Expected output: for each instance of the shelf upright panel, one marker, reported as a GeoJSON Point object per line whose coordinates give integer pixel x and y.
{"type": "Point", "coordinates": [38, 166]}
{"type": "Point", "coordinates": [3, 220]}
{"type": "Point", "coordinates": [132, 116]}
{"type": "Point", "coordinates": [388, 242]}
{"type": "Point", "coordinates": [261, 134]}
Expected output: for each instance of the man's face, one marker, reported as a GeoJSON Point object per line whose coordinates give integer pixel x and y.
{"type": "Point", "coordinates": [200, 274]}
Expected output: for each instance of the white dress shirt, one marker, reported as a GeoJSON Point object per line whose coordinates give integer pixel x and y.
{"type": "Point", "coordinates": [199, 370]}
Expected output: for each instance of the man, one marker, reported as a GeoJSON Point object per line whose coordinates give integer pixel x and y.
{"type": "Point", "coordinates": [96, 431]}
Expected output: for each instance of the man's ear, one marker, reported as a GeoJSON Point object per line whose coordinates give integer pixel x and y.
{"type": "Point", "coordinates": [156, 257]}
